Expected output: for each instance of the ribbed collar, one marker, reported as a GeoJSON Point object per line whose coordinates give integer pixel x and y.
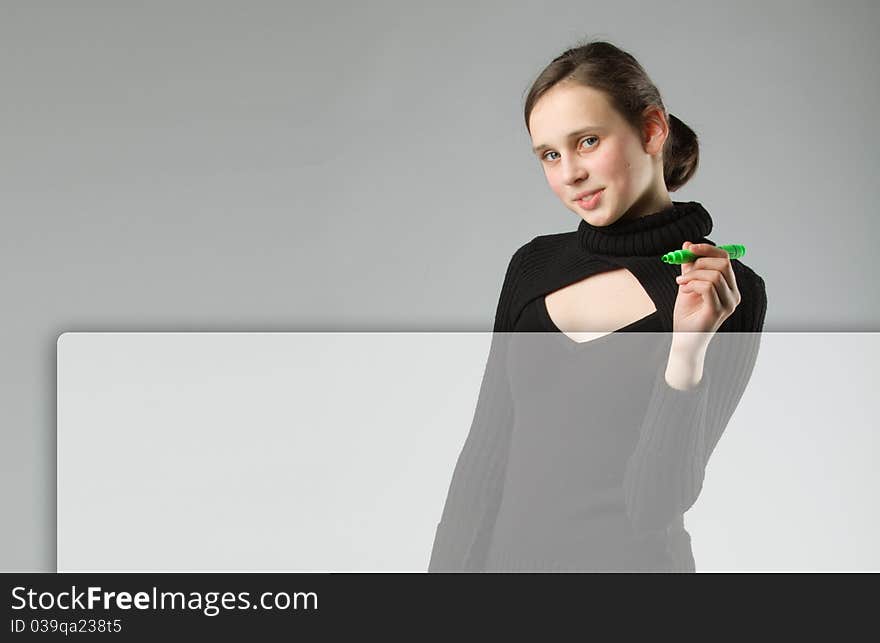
{"type": "Point", "coordinates": [654, 234]}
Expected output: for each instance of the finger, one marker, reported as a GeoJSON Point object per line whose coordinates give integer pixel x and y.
{"type": "Point", "coordinates": [688, 266]}
{"type": "Point", "coordinates": [708, 250]}
{"type": "Point", "coordinates": [724, 295]}
{"type": "Point", "coordinates": [701, 250]}
{"type": "Point", "coordinates": [708, 275]}
{"type": "Point", "coordinates": [708, 292]}
{"type": "Point", "coordinates": [713, 263]}
{"type": "Point", "coordinates": [720, 264]}
{"type": "Point", "coordinates": [697, 273]}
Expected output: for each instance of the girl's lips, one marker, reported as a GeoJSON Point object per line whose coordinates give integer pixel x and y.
{"type": "Point", "coordinates": [591, 201]}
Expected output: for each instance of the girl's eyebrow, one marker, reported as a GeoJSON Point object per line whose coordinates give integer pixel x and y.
{"type": "Point", "coordinates": [583, 130]}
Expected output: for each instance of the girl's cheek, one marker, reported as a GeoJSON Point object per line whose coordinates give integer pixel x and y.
{"type": "Point", "coordinates": [555, 184]}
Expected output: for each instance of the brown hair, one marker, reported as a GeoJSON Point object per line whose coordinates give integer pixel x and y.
{"type": "Point", "coordinates": [603, 66]}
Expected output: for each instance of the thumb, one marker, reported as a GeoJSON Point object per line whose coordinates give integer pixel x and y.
{"type": "Point", "coordinates": [686, 267]}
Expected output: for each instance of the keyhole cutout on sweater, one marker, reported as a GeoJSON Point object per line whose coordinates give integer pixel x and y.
{"type": "Point", "coordinates": [598, 305]}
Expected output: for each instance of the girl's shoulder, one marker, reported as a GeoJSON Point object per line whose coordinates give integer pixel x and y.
{"type": "Point", "coordinates": [542, 249]}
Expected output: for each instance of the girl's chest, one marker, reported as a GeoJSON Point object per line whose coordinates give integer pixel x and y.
{"type": "Point", "coordinates": [599, 304]}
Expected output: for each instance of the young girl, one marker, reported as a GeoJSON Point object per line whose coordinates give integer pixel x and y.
{"type": "Point", "coordinates": [585, 452]}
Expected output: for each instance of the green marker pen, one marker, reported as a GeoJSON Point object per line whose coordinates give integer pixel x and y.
{"type": "Point", "coordinates": [734, 250]}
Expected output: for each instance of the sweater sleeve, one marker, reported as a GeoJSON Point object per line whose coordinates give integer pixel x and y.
{"type": "Point", "coordinates": [664, 474]}
{"type": "Point", "coordinates": [462, 536]}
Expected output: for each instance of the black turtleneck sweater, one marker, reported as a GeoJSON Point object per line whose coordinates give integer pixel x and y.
{"type": "Point", "coordinates": [580, 456]}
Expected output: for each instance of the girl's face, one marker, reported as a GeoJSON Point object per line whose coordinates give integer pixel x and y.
{"type": "Point", "coordinates": [583, 144]}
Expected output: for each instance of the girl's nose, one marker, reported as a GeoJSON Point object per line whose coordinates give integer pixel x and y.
{"type": "Point", "coordinates": [574, 173]}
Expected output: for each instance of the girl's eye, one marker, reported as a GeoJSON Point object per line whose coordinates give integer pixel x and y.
{"type": "Point", "coordinates": [582, 140]}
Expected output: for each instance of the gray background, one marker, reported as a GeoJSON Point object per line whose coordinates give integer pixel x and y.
{"type": "Point", "coordinates": [334, 451]}
{"type": "Point", "coordinates": [348, 166]}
